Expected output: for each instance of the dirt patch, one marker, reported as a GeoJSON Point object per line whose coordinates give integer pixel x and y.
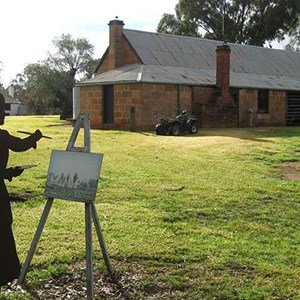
{"type": "Point", "coordinates": [14, 197]}
{"type": "Point", "coordinates": [291, 170]}
{"type": "Point", "coordinates": [131, 280]}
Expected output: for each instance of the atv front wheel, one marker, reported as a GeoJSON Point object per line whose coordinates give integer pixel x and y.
{"type": "Point", "coordinates": [175, 130]}
{"type": "Point", "coordinates": [160, 129]}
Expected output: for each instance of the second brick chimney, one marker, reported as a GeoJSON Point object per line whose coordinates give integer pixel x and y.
{"type": "Point", "coordinates": [115, 43]}
{"type": "Point", "coordinates": [223, 74]}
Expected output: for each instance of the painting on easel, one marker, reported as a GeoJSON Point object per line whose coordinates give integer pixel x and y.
{"type": "Point", "coordinates": [73, 175]}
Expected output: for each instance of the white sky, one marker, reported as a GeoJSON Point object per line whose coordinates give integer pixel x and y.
{"type": "Point", "coordinates": [29, 27]}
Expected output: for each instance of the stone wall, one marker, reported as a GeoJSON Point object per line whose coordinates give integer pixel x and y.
{"type": "Point", "coordinates": [248, 115]}
{"type": "Point", "coordinates": [137, 106]}
{"type": "Point", "coordinates": [126, 97]}
{"type": "Point", "coordinates": [128, 57]}
{"type": "Point", "coordinates": [91, 102]}
{"type": "Point", "coordinates": [148, 102]}
{"type": "Point", "coordinates": [212, 112]}
{"type": "Point", "coordinates": [203, 95]}
{"type": "Point", "coordinates": [247, 103]}
{"type": "Point", "coordinates": [277, 110]}
{"type": "Point", "coordinates": [158, 100]}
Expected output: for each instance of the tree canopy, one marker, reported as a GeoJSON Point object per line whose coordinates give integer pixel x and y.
{"type": "Point", "coordinates": [294, 43]}
{"type": "Point", "coordinates": [251, 22]}
{"type": "Point", "coordinates": [72, 55]}
{"type": "Point", "coordinates": [49, 88]}
{"type": "Point", "coordinates": [49, 83]}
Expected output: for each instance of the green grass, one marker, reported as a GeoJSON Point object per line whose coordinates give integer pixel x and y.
{"type": "Point", "coordinates": [209, 215]}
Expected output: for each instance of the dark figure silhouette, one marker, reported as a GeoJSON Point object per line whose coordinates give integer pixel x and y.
{"type": "Point", "coordinates": [9, 261]}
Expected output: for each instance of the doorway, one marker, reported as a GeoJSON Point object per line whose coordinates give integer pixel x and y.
{"type": "Point", "coordinates": [108, 104]}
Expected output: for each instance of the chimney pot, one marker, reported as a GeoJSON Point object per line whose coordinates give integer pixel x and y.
{"type": "Point", "coordinates": [116, 22]}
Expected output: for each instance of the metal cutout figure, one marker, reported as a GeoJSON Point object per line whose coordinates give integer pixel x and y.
{"type": "Point", "coordinates": [9, 261]}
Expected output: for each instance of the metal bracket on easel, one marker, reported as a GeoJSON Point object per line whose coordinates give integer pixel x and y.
{"type": "Point", "coordinates": [90, 214]}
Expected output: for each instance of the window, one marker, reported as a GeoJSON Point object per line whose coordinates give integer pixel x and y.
{"type": "Point", "coordinates": [263, 101]}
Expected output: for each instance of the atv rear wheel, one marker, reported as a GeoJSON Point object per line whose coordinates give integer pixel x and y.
{"type": "Point", "coordinates": [193, 128]}
{"type": "Point", "coordinates": [174, 130]}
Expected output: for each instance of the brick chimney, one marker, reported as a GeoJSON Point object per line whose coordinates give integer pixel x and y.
{"type": "Point", "coordinates": [115, 43]}
{"type": "Point", "coordinates": [223, 74]}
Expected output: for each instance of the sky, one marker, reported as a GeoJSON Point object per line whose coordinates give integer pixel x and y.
{"type": "Point", "coordinates": [29, 27]}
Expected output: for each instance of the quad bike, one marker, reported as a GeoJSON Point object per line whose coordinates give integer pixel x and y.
{"type": "Point", "coordinates": [175, 126]}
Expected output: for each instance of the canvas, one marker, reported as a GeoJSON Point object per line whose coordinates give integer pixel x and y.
{"type": "Point", "coordinates": [73, 175]}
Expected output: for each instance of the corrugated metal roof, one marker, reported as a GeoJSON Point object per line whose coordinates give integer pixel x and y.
{"type": "Point", "coordinates": [154, 74]}
{"type": "Point", "coordinates": [192, 61]}
{"type": "Point", "coordinates": [172, 50]}
{"type": "Point", "coordinates": [127, 73]}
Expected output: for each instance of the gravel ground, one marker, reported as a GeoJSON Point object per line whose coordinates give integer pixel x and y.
{"type": "Point", "coordinates": [133, 284]}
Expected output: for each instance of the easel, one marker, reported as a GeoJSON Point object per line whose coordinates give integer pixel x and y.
{"type": "Point", "coordinates": [90, 213]}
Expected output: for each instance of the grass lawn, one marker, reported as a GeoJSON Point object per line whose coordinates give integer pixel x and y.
{"type": "Point", "coordinates": [207, 216]}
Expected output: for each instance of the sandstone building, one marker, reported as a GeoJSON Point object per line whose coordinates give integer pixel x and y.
{"type": "Point", "coordinates": [144, 75]}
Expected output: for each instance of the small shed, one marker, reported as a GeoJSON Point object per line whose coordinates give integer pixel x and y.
{"type": "Point", "coordinates": [13, 107]}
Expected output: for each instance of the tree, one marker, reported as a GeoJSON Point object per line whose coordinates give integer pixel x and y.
{"type": "Point", "coordinates": [294, 42]}
{"type": "Point", "coordinates": [48, 88]}
{"type": "Point", "coordinates": [72, 56]}
{"type": "Point", "coordinates": [49, 83]}
{"type": "Point", "coordinates": [71, 60]}
{"type": "Point", "coordinates": [242, 21]}
{"type": "Point", "coordinates": [19, 84]}
{"type": "Point", "coordinates": [90, 68]}
{"type": "Point", "coordinates": [176, 25]}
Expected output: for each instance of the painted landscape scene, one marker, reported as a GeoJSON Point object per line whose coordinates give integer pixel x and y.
{"type": "Point", "coordinates": [73, 175]}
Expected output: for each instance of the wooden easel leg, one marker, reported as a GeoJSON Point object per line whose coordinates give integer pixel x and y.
{"type": "Point", "coordinates": [35, 240]}
{"type": "Point", "coordinates": [89, 250]}
{"type": "Point", "coordinates": [101, 240]}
